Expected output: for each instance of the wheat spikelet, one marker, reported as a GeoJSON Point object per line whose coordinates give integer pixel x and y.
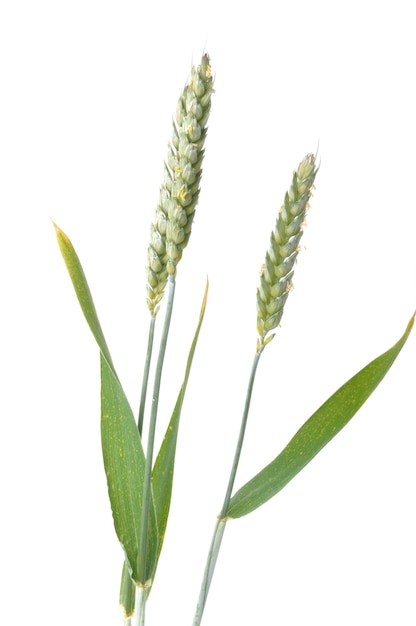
{"type": "Point", "coordinates": [277, 271]}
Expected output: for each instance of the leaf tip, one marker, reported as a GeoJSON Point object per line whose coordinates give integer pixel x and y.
{"type": "Point", "coordinates": [205, 298]}
{"type": "Point", "coordinates": [60, 235]}
{"type": "Point", "coordinates": [55, 225]}
{"type": "Point", "coordinates": [64, 241]}
{"type": "Point", "coordinates": [410, 324]}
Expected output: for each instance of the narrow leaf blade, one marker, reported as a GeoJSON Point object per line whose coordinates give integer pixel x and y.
{"type": "Point", "coordinates": [121, 444]}
{"type": "Point", "coordinates": [315, 433]}
{"type": "Point", "coordinates": [124, 464]}
{"type": "Point", "coordinates": [162, 476]}
{"type": "Point", "coordinates": [82, 290]}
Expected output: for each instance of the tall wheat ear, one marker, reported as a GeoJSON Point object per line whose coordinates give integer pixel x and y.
{"type": "Point", "coordinates": [172, 225]}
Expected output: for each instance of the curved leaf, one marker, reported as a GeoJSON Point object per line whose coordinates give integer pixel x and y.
{"type": "Point", "coordinates": [82, 291]}
{"type": "Point", "coordinates": [123, 454]}
{"type": "Point", "coordinates": [315, 433]}
{"type": "Point", "coordinates": [162, 476]}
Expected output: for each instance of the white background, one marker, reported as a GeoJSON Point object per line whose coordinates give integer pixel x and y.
{"type": "Point", "coordinates": [88, 91]}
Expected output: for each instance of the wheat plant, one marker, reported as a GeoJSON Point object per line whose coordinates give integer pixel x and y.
{"type": "Point", "coordinates": [140, 485]}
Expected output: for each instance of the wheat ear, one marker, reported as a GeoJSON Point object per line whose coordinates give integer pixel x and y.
{"type": "Point", "coordinates": [179, 193]}
{"type": "Point", "coordinates": [277, 271]}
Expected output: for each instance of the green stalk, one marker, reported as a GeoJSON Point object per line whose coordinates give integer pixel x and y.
{"type": "Point", "coordinates": [140, 603]}
{"type": "Point", "coordinates": [222, 517]}
{"type": "Point", "coordinates": [146, 373]}
{"type": "Point", "coordinates": [209, 569]}
{"type": "Point", "coordinates": [151, 438]}
{"type": "Point", "coordinates": [127, 587]}
{"type": "Point", "coordinates": [241, 435]}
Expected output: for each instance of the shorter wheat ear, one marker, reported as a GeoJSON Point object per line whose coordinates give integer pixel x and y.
{"type": "Point", "coordinates": [277, 271]}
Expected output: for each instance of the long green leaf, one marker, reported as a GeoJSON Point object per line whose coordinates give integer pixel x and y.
{"type": "Point", "coordinates": [315, 433]}
{"type": "Point", "coordinates": [162, 475]}
{"type": "Point", "coordinates": [122, 448]}
{"type": "Point", "coordinates": [124, 466]}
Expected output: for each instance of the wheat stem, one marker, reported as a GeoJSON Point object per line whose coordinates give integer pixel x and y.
{"type": "Point", "coordinates": [145, 379]}
{"type": "Point", "coordinates": [241, 435]}
{"type": "Point", "coordinates": [139, 616]}
{"type": "Point", "coordinates": [222, 518]}
{"type": "Point", "coordinates": [209, 569]}
{"type": "Point", "coordinates": [146, 502]}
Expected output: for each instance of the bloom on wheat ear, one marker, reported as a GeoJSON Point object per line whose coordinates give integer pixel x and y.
{"type": "Point", "coordinates": [171, 228]}
{"type": "Point", "coordinates": [277, 271]}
